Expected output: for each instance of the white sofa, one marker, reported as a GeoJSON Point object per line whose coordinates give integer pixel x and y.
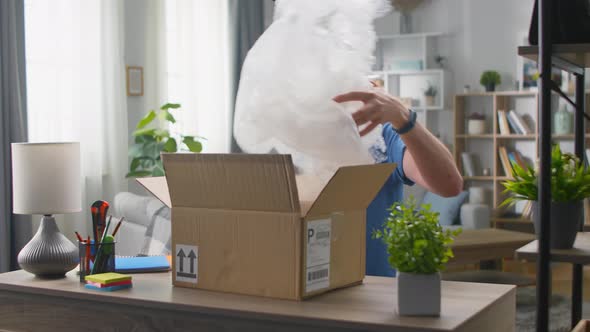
{"type": "Point", "coordinates": [146, 230]}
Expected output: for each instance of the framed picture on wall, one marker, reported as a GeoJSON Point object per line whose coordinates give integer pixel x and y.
{"type": "Point", "coordinates": [134, 81]}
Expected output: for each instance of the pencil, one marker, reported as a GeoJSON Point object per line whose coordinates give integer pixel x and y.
{"type": "Point", "coordinates": [118, 225]}
{"type": "Point", "coordinates": [79, 237]}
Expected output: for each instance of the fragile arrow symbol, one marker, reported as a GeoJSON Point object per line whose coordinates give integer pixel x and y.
{"type": "Point", "coordinates": [181, 256]}
{"type": "Point", "coordinates": [192, 258]}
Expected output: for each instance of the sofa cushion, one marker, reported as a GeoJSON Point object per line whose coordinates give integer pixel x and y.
{"type": "Point", "coordinates": [447, 207]}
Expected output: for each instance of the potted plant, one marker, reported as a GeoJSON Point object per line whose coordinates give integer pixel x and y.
{"type": "Point", "coordinates": [489, 79]}
{"type": "Point", "coordinates": [476, 124]}
{"type": "Point", "coordinates": [570, 185]}
{"type": "Point", "coordinates": [152, 138]}
{"type": "Point", "coordinates": [418, 249]}
{"type": "Point", "coordinates": [430, 94]}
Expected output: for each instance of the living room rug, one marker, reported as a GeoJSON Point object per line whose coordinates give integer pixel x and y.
{"type": "Point", "coordinates": [559, 314]}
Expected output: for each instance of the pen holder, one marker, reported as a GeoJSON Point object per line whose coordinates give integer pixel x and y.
{"type": "Point", "coordinates": [95, 259]}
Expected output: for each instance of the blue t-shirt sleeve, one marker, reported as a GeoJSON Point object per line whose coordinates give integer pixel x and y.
{"type": "Point", "coordinates": [396, 148]}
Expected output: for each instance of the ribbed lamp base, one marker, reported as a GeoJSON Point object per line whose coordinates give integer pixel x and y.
{"type": "Point", "coordinates": [49, 254]}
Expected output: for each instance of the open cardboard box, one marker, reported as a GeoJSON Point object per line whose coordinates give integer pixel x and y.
{"type": "Point", "coordinates": [239, 225]}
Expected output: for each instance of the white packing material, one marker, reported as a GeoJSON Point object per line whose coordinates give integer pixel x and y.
{"type": "Point", "coordinates": [313, 51]}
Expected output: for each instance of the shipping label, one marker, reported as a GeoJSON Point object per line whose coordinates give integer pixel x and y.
{"type": "Point", "coordinates": [319, 236]}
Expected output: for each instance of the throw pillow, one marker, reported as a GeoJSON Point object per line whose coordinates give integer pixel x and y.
{"type": "Point", "coordinates": [447, 207]}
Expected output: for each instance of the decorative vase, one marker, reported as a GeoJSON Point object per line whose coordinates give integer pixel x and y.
{"type": "Point", "coordinates": [562, 122]}
{"type": "Point", "coordinates": [429, 100]}
{"type": "Point", "coordinates": [490, 87]}
{"type": "Point", "coordinates": [476, 127]}
{"type": "Point", "coordinates": [565, 221]}
{"type": "Point", "coordinates": [418, 294]}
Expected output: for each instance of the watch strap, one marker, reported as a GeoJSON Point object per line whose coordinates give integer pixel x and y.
{"type": "Point", "coordinates": [409, 125]}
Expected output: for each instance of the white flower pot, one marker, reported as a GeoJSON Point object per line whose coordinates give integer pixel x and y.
{"type": "Point", "coordinates": [418, 294]}
{"type": "Point", "coordinates": [476, 127]}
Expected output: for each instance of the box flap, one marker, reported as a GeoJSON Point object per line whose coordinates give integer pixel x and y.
{"type": "Point", "coordinates": [232, 181]}
{"type": "Point", "coordinates": [158, 187]}
{"type": "Point", "coordinates": [351, 188]}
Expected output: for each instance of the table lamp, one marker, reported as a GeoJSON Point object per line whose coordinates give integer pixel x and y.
{"type": "Point", "coordinates": [46, 181]}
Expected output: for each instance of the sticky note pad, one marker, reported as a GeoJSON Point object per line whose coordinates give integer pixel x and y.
{"type": "Point", "coordinates": [117, 283]}
{"type": "Point", "coordinates": [109, 288]}
{"type": "Point", "coordinates": [107, 278]}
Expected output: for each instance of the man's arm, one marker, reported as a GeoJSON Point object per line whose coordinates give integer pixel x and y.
{"type": "Point", "coordinates": [427, 161]}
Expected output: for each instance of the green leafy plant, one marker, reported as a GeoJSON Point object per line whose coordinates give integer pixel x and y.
{"type": "Point", "coordinates": [152, 138]}
{"type": "Point", "coordinates": [490, 77]}
{"type": "Point", "coordinates": [416, 242]}
{"type": "Point", "coordinates": [431, 90]}
{"type": "Point", "coordinates": [570, 180]}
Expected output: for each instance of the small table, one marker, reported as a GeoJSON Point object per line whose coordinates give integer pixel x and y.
{"type": "Point", "coordinates": [477, 245]}
{"type": "Point", "coordinates": [579, 254]}
{"type": "Point", "coordinates": [153, 304]}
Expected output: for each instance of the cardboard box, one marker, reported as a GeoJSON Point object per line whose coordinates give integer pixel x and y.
{"type": "Point", "coordinates": [239, 225]}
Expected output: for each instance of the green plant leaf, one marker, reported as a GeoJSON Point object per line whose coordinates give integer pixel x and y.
{"type": "Point", "coordinates": [147, 119]}
{"type": "Point", "coordinates": [135, 150]}
{"type": "Point", "coordinates": [192, 145]}
{"type": "Point", "coordinates": [144, 132]}
{"type": "Point", "coordinates": [138, 174]}
{"type": "Point", "coordinates": [170, 145]}
{"type": "Point", "coordinates": [168, 116]}
{"type": "Point", "coordinates": [161, 133]}
{"type": "Point", "coordinates": [168, 106]}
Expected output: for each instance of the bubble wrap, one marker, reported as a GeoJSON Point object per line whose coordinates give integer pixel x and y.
{"type": "Point", "coordinates": [313, 51]}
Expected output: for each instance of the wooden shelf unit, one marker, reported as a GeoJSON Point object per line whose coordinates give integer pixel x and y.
{"type": "Point", "coordinates": [500, 100]}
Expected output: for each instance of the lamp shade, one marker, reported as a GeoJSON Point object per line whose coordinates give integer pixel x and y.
{"type": "Point", "coordinates": [46, 178]}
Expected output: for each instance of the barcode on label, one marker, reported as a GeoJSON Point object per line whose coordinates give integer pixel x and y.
{"type": "Point", "coordinates": [323, 235]}
{"type": "Point", "coordinates": [315, 275]}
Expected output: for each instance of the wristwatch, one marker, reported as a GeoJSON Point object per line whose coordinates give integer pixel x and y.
{"type": "Point", "coordinates": [410, 125]}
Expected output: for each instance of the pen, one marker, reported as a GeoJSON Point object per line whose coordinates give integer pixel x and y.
{"type": "Point", "coordinates": [118, 225]}
{"type": "Point", "coordinates": [79, 237]}
{"type": "Point", "coordinates": [88, 255]}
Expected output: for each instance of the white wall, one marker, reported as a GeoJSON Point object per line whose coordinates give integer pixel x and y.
{"type": "Point", "coordinates": [480, 35]}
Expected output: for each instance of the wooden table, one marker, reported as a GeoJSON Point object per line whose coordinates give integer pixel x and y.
{"type": "Point", "coordinates": [476, 245]}
{"type": "Point", "coordinates": [153, 304]}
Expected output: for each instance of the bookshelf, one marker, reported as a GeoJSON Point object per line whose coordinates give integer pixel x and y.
{"type": "Point", "coordinates": [485, 147]}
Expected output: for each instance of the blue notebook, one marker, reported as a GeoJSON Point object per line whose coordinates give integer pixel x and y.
{"type": "Point", "coordinates": [141, 264]}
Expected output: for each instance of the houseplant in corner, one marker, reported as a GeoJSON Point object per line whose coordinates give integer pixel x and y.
{"type": "Point", "coordinates": [430, 94]}
{"type": "Point", "coordinates": [152, 137]}
{"type": "Point", "coordinates": [570, 185]}
{"type": "Point", "coordinates": [489, 79]}
{"type": "Point", "coordinates": [418, 249]}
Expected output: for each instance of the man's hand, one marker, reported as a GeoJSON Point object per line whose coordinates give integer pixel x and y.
{"type": "Point", "coordinates": [378, 108]}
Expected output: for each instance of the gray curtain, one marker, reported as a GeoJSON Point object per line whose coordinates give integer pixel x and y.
{"type": "Point", "coordinates": [247, 24]}
{"type": "Point", "coordinates": [14, 230]}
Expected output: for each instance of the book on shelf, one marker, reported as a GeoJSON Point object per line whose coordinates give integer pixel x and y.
{"type": "Point", "coordinates": [522, 127]}
{"type": "Point", "coordinates": [503, 123]}
{"type": "Point", "coordinates": [517, 158]}
{"type": "Point", "coordinates": [468, 166]}
{"type": "Point", "coordinates": [505, 160]}
{"type": "Point", "coordinates": [512, 122]}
